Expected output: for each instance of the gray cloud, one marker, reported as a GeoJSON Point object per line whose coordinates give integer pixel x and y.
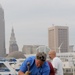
{"type": "Point", "coordinates": [31, 19]}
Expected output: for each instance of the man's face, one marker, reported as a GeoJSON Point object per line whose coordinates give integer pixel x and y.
{"type": "Point", "coordinates": [50, 55]}
{"type": "Point", "coordinates": [38, 63]}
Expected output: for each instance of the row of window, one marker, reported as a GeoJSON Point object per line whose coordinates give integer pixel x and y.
{"type": "Point", "coordinates": [68, 70]}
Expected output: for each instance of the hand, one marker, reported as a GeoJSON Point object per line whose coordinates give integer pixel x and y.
{"type": "Point", "coordinates": [27, 73]}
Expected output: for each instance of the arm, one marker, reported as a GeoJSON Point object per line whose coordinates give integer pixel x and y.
{"type": "Point", "coordinates": [23, 68]}
{"type": "Point", "coordinates": [21, 73]}
{"type": "Point", "coordinates": [55, 65]}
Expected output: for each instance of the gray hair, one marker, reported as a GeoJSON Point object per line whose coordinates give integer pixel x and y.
{"type": "Point", "coordinates": [41, 56]}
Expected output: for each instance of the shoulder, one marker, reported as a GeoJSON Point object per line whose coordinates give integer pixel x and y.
{"type": "Point", "coordinates": [29, 59]}
{"type": "Point", "coordinates": [46, 66]}
{"type": "Point", "coordinates": [56, 59]}
{"type": "Point", "coordinates": [23, 67]}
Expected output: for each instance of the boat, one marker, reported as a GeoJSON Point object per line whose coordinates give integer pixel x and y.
{"type": "Point", "coordinates": [6, 66]}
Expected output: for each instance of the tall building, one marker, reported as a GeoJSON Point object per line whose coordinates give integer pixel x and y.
{"type": "Point", "coordinates": [12, 43]}
{"type": "Point", "coordinates": [2, 33]}
{"type": "Point", "coordinates": [58, 38]}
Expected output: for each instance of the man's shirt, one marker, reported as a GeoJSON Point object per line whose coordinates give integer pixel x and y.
{"type": "Point", "coordinates": [34, 70]}
{"type": "Point", "coordinates": [57, 64]}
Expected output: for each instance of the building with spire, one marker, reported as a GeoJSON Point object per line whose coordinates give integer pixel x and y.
{"type": "Point", "coordinates": [12, 43]}
{"type": "Point", "coordinates": [2, 33]}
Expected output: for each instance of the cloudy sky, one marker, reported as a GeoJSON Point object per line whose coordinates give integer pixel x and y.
{"type": "Point", "coordinates": [32, 18]}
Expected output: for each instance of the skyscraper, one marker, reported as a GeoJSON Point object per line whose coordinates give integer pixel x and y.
{"type": "Point", "coordinates": [12, 43]}
{"type": "Point", "coordinates": [2, 33]}
{"type": "Point", "coordinates": [58, 38]}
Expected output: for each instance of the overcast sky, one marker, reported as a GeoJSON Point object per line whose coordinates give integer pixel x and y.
{"type": "Point", "coordinates": [32, 18]}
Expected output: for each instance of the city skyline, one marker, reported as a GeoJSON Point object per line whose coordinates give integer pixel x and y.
{"type": "Point", "coordinates": [31, 19]}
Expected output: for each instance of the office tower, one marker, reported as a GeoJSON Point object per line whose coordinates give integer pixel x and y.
{"type": "Point", "coordinates": [58, 38]}
{"type": "Point", "coordinates": [2, 33]}
{"type": "Point", "coordinates": [12, 43]}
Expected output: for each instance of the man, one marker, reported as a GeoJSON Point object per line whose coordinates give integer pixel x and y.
{"type": "Point", "coordinates": [56, 62]}
{"type": "Point", "coordinates": [35, 65]}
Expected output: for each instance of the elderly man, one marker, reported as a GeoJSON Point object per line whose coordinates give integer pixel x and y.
{"type": "Point", "coordinates": [37, 65]}
{"type": "Point", "coordinates": [56, 62]}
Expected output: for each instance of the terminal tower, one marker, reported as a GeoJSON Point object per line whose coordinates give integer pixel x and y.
{"type": "Point", "coordinates": [12, 43]}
